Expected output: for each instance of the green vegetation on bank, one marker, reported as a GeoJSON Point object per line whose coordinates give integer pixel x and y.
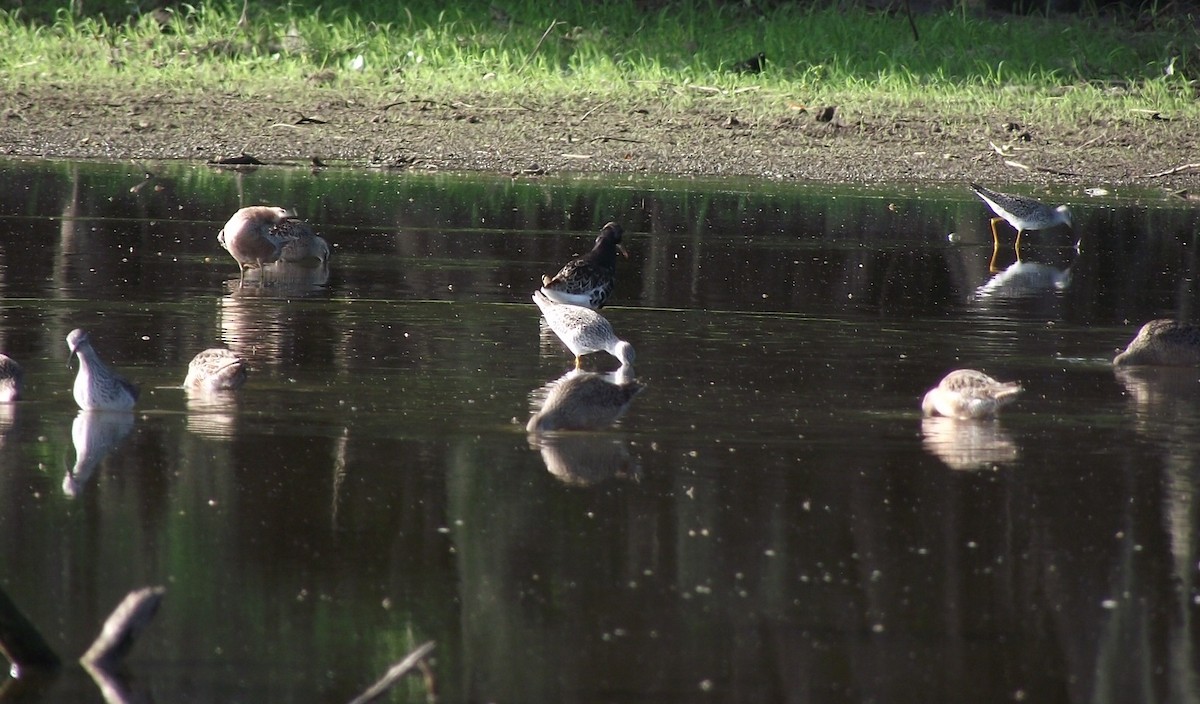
{"type": "Point", "coordinates": [1070, 68]}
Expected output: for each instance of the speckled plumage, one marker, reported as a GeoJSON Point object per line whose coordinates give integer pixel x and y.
{"type": "Point", "coordinates": [1163, 343]}
{"type": "Point", "coordinates": [583, 330]}
{"type": "Point", "coordinates": [583, 401]}
{"type": "Point", "coordinates": [968, 394]}
{"type": "Point", "coordinates": [216, 369]}
{"type": "Point", "coordinates": [98, 388]}
{"type": "Point", "coordinates": [588, 280]}
{"type": "Point", "coordinates": [1022, 212]}
{"type": "Point", "coordinates": [259, 235]}
{"type": "Point", "coordinates": [12, 379]}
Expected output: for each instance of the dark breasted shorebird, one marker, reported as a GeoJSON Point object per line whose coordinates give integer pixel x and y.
{"type": "Point", "coordinates": [216, 369]}
{"type": "Point", "coordinates": [1022, 213]}
{"type": "Point", "coordinates": [12, 379]}
{"type": "Point", "coordinates": [588, 280]}
{"type": "Point", "coordinates": [583, 330]}
{"type": "Point", "coordinates": [1163, 343]}
{"type": "Point", "coordinates": [98, 388]}
{"type": "Point", "coordinates": [968, 394]}
{"type": "Point", "coordinates": [261, 234]}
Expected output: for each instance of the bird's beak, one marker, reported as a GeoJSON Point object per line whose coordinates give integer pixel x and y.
{"type": "Point", "coordinates": [624, 252]}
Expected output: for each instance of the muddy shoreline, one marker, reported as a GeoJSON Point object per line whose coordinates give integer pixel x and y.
{"type": "Point", "coordinates": [819, 144]}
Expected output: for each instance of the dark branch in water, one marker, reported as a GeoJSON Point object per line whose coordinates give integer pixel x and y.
{"type": "Point", "coordinates": [394, 674]}
{"type": "Point", "coordinates": [20, 642]}
{"type": "Point", "coordinates": [123, 627]}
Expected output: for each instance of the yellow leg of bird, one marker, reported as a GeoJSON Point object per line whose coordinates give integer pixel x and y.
{"type": "Point", "coordinates": [579, 363]}
{"type": "Point", "coordinates": [995, 246]}
{"type": "Point", "coordinates": [1017, 246]}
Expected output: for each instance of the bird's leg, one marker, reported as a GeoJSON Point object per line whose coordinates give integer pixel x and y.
{"type": "Point", "coordinates": [995, 235]}
{"type": "Point", "coordinates": [1017, 246]}
{"type": "Point", "coordinates": [992, 264]}
{"type": "Point", "coordinates": [578, 362]}
{"type": "Point", "coordinates": [995, 247]}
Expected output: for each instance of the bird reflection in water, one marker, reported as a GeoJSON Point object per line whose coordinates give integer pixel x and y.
{"type": "Point", "coordinates": [968, 444]}
{"type": "Point", "coordinates": [213, 377]}
{"type": "Point", "coordinates": [94, 434]}
{"type": "Point", "coordinates": [583, 401]}
{"type": "Point", "coordinates": [1023, 279]}
{"type": "Point", "coordinates": [1165, 400]}
{"type": "Point", "coordinates": [257, 322]}
{"type": "Point", "coordinates": [287, 279]}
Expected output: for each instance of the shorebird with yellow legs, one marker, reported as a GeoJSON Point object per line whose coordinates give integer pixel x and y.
{"type": "Point", "coordinates": [1023, 213]}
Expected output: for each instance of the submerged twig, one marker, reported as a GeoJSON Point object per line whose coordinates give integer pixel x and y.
{"type": "Point", "coordinates": [394, 674]}
{"type": "Point", "coordinates": [123, 627]}
{"type": "Point", "coordinates": [20, 641]}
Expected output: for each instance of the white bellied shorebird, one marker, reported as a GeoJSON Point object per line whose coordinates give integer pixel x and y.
{"type": "Point", "coordinates": [1163, 343]}
{"type": "Point", "coordinates": [967, 394]}
{"type": "Point", "coordinates": [259, 235]}
{"type": "Point", "coordinates": [583, 330]}
{"type": "Point", "coordinates": [1023, 213]}
{"type": "Point", "coordinates": [12, 379]}
{"type": "Point", "coordinates": [588, 280]}
{"type": "Point", "coordinates": [216, 369]}
{"type": "Point", "coordinates": [98, 388]}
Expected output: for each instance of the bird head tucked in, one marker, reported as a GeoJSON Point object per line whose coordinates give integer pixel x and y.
{"type": "Point", "coordinates": [254, 216]}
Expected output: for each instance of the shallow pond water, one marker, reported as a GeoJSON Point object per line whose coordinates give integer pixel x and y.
{"type": "Point", "coordinates": [771, 519]}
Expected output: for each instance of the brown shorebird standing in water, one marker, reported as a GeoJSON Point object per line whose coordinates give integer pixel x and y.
{"type": "Point", "coordinates": [98, 388]}
{"type": "Point", "coordinates": [261, 234]}
{"type": "Point", "coordinates": [968, 394]}
{"type": "Point", "coordinates": [589, 279]}
{"type": "Point", "coordinates": [583, 330]}
{"type": "Point", "coordinates": [214, 370]}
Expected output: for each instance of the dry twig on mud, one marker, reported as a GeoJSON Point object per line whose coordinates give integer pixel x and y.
{"type": "Point", "coordinates": [1172, 171]}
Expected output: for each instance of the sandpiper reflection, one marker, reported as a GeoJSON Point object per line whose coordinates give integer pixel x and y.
{"type": "Point", "coordinates": [94, 434]}
{"type": "Point", "coordinates": [580, 400]}
{"type": "Point", "coordinates": [212, 413]}
{"type": "Point", "coordinates": [968, 444]}
{"type": "Point", "coordinates": [577, 402]}
{"type": "Point", "coordinates": [285, 279]}
{"type": "Point", "coordinates": [1023, 279]}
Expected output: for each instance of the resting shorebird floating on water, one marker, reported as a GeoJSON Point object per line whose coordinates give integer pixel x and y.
{"type": "Point", "coordinates": [968, 394]}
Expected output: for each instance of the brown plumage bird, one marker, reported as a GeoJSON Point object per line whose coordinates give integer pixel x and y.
{"type": "Point", "coordinates": [588, 280]}
{"type": "Point", "coordinates": [261, 234]}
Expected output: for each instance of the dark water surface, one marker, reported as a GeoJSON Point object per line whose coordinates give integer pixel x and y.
{"type": "Point", "coordinates": [771, 520]}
